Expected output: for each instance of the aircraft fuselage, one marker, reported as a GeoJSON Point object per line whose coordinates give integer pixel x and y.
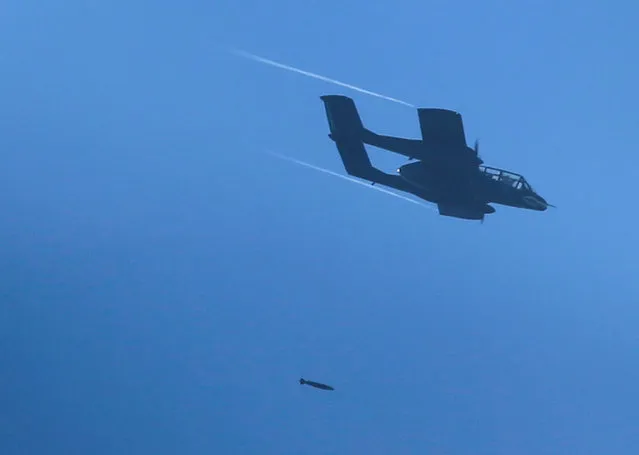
{"type": "Point", "coordinates": [434, 183]}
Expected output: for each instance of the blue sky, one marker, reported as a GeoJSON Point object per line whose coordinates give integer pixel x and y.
{"type": "Point", "coordinates": [165, 281]}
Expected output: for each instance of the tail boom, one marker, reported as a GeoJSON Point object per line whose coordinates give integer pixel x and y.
{"type": "Point", "coordinates": [345, 123]}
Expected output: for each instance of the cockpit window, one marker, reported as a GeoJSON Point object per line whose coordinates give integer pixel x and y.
{"type": "Point", "coordinates": [507, 178]}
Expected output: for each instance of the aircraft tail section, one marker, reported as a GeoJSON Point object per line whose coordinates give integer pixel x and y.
{"type": "Point", "coordinates": [346, 129]}
{"type": "Point", "coordinates": [345, 124]}
{"type": "Point", "coordinates": [348, 133]}
{"type": "Point", "coordinates": [343, 119]}
{"type": "Point", "coordinates": [355, 159]}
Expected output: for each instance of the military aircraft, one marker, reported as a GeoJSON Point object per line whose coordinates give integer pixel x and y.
{"type": "Point", "coordinates": [447, 172]}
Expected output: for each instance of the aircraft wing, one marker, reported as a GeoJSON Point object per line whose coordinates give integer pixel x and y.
{"type": "Point", "coordinates": [442, 128]}
{"type": "Point", "coordinates": [467, 212]}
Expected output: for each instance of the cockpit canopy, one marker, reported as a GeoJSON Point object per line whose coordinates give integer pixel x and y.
{"type": "Point", "coordinates": [508, 178]}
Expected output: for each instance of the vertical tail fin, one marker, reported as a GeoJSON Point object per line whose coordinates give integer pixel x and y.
{"type": "Point", "coordinates": [346, 125]}
{"type": "Point", "coordinates": [343, 119]}
{"type": "Point", "coordinates": [346, 129]}
{"type": "Point", "coordinates": [348, 132]}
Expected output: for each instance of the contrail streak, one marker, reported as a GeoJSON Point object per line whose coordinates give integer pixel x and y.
{"type": "Point", "coordinates": [257, 58]}
{"type": "Point", "coordinates": [359, 182]}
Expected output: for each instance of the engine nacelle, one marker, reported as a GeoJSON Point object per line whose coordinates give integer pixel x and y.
{"type": "Point", "coordinates": [414, 173]}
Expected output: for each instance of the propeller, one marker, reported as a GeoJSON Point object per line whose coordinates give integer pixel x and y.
{"type": "Point", "coordinates": [476, 148]}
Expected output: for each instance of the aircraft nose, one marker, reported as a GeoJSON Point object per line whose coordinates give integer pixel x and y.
{"type": "Point", "coordinates": [536, 202]}
{"type": "Point", "coordinates": [543, 203]}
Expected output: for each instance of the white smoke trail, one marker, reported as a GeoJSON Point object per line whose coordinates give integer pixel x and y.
{"type": "Point", "coordinates": [350, 179]}
{"type": "Point", "coordinates": [257, 58]}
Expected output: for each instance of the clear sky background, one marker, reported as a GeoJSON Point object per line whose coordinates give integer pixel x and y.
{"type": "Point", "coordinates": [164, 282]}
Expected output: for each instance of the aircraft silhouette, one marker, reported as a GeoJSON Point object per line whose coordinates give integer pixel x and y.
{"type": "Point", "coordinates": [447, 172]}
